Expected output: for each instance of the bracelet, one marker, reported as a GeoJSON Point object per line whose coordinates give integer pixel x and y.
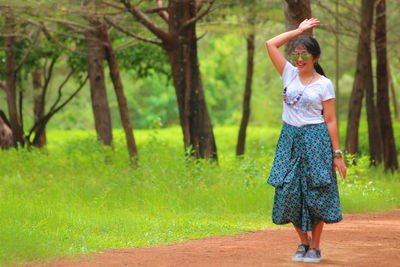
{"type": "Point", "coordinates": [337, 153]}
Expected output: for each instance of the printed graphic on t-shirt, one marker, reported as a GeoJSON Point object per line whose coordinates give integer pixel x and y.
{"type": "Point", "coordinates": [308, 110]}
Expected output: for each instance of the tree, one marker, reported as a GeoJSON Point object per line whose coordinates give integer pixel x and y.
{"type": "Point", "coordinates": [98, 46]}
{"type": "Point", "coordinates": [363, 76]}
{"type": "Point", "coordinates": [6, 138]}
{"type": "Point", "coordinates": [382, 75]}
{"type": "Point", "coordinates": [11, 70]}
{"type": "Point", "coordinates": [98, 92]}
{"type": "Point", "coordinates": [180, 44]}
{"type": "Point", "coordinates": [295, 12]}
{"type": "Point", "coordinates": [250, 14]}
{"type": "Point", "coordinates": [110, 55]}
{"type": "Point", "coordinates": [38, 104]}
{"type": "Point", "coordinates": [374, 131]}
{"type": "Point", "coordinates": [250, 41]}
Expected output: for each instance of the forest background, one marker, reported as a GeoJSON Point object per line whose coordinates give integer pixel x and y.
{"type": "Point", "coordinates": [79, 193]}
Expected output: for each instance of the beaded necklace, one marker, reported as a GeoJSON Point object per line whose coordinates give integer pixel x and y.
{"type": "Point", "coordinates": [297, 98]}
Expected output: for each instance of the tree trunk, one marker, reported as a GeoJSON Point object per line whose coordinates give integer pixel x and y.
{"type": "Point", "coordinates": [393, 91]}
{"type": "Point", "coordinates": [119, 91]}
{"type": "Point", "coordinates": [374, 131]}
{"type": "Point", "coordinates": [6, 137]}
{"type": "Point", "coordinates": [385, 120]}
{"type": "Point", "coordinates": [295, 12]}
{"type": "Point", "coordinates": [38, 106]}
{"type": "Point", "coordinates": [182, 52]}
{"type": "Point", "coordinates": [101, 111]}
{"type": "Point", "coordinates": [11, 78]}
{"type": "Point", "coordinates": [240, 148]}
{"type": "Point", "coordinates": [363, 76]}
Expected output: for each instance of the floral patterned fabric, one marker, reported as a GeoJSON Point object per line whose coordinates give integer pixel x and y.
{"type": "Point", "coordinates": [306, 190]}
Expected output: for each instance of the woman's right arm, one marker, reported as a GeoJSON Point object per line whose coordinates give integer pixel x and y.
{"type": "Point", "coordinates": [273, 44]}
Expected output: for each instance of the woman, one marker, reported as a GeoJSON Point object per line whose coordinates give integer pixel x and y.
{"type": "Point", "coordinates": [308, 151]}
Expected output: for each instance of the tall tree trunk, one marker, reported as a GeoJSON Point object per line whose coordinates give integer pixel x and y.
{"type": "Point", "coordinates": [180, 44]}
{"type": "Point", "coordinates": [182, 52]}
{"type": "Point", "coordinates": [38, 105]}
{"type": "Point", "coordinates": [119, 91]}
{"type": "Point", "coordinates": [393, 92]}
{"type": "Point", "coordinates": [240, 148]}
{"type": "Point", "coordinates": [385, 120]}
{"type": "Point", "coordinates": [374, 130]}
{"type": "Point", "coordinates": [363, 76]}
{"type": "Point", "coordinates": [101, 111]}
{"type": "Point", "coordinates": [295, 12]}
{"type": "Point", "coordinates": [6, 137]}
{"type": "Point", "coordinates": [11, 78]}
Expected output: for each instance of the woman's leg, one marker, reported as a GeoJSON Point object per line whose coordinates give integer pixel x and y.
{"type": "Point", "coordinates": [316, 235]}
{"type": "Point", "coordinates": [303, 236]}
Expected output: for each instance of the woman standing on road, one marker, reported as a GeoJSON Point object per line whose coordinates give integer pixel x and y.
{"type": "Point", "coordinates": [308, 151]}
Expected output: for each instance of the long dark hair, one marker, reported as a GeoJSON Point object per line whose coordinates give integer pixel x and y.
{"type": "Point", "coordinates": [313, 48]}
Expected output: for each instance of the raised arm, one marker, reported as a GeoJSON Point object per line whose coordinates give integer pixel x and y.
{"type": "Point", "coordinates": [273, 44]}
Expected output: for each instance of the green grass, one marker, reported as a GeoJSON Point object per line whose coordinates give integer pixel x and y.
{"type": "Point", "coordinates": [78, 197]}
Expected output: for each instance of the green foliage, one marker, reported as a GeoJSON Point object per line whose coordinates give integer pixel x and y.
{"type": "Point", "coordinates": [78, 197]}
{"type": "Point", "coordinates": [365, 188]}
{"type": "Point", "coordinates": [141, 60]}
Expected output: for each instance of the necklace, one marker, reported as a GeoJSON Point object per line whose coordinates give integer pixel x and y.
{"type": "Point", "coordinates": [297, 98]}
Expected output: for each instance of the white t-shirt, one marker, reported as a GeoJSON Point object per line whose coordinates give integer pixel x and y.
{"type": "Point", "coordinates": [308, 110]}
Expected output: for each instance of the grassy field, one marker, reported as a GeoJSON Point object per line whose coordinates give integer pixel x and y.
{"type": "Point", "coordinates": [78, 197]}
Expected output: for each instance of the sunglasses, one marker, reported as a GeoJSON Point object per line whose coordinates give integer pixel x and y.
{"type": "Point", "coordinates": [304, 56]}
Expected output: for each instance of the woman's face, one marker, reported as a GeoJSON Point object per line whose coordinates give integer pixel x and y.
{"type": "Point", "coordinates": [302, 59]}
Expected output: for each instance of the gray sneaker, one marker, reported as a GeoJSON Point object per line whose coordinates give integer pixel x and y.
{"type": "Point", "coordinates": [300, 252]}
{"type": "Point", "coordinates": [312, 255]}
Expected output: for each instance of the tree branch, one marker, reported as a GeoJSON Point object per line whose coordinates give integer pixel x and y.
{"type": "Point", "coordinates": [29, 50]}
{"type": "Point", "coordinates": [41, 123]}
{"type": "Point", "coordinates": [156, 9]}
{"type": "Point", "coordinates": [201, 36]}
{"type": "Point", "coordinates": [201, 15]}
{"type": "Point", "coordinates": [47, 78]}
{"type": "Point", "coordinates": [3, 85]}
{"type": "Point", "coordinates": [153, 41]}
{"type": "Point", "coordinates": [67, 34]}
{"type": "Point", "coordinates": [126, 45]}
{"type": "Point", "coordinates": [114, 5]}
{"type": "Point", "coordinates": [143, 19]}
{"type": "Point", "coordinates": [72, 95]}
{"type": "Point", "coordinates": [56, 41]}
{"type": "Point", "coordinates": [60, 90]}
{"type": "Point", "coordinates": [163, 14]}
{"type": "Point", "coordinates": [71, 25]}
{"type": "Point", "coordinates": [198, 4]}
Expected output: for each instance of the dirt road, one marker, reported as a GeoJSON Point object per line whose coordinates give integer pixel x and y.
{"type": "Point", "coordinates": [366, 239]}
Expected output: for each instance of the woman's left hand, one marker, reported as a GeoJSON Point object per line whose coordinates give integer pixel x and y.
{"type": "Point", "coordinates": [338, 163]}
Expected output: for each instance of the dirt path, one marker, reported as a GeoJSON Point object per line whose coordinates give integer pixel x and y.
{"type": "Point", "coordinates": [367, 240]}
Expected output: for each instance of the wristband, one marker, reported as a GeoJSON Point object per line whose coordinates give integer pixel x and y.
{"type": "Point", "coordinates": [337, 153]}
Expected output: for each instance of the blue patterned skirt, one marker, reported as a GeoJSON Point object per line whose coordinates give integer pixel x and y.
{"type": "Point", "coordinates": [306, 190]}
